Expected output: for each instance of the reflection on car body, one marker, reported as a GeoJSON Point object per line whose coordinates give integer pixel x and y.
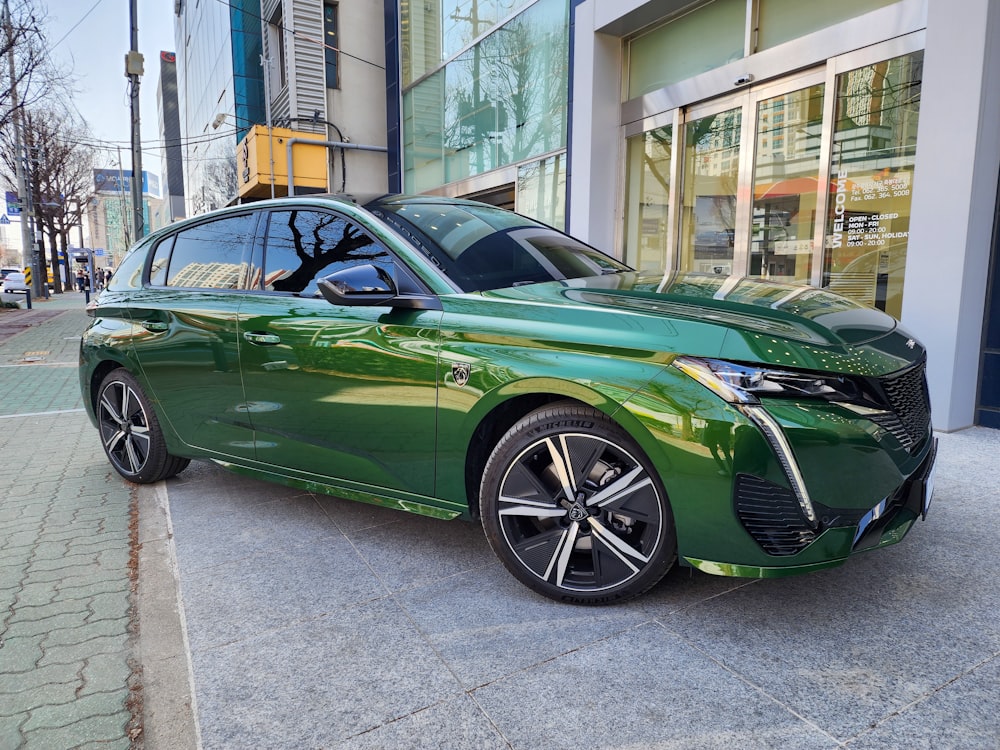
{"type": "Point", "coordinates": [453, 359]}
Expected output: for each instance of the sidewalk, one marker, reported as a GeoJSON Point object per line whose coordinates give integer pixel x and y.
{"type": "Point", "coordinates": [65, 587]}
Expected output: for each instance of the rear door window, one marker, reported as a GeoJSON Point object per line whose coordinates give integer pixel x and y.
{"type": "Point", "coordinates": [210, 255]}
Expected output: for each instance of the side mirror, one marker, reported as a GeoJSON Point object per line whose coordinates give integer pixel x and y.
{"type": "Point", "coordinates": [358, 285]}
{"type": "Point", "coordinates": [371, 286]}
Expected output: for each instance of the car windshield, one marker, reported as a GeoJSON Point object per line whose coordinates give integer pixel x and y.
{"type": "Point", "coordinates": [480, 247]}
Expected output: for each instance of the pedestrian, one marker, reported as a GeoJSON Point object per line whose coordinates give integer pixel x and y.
{"type": "Point", "coordinates": [79, 279]}
{"type": "Point", "coordinates": [107, 276]}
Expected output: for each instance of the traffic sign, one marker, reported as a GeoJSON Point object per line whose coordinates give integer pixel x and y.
{"type": "Point", "coordinates": [4, 219]}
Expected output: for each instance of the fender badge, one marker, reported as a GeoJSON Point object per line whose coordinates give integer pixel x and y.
{"type": "Point", "coordinates": [910, 343]}
{"type": "Point", "coordinates": [460, 371]}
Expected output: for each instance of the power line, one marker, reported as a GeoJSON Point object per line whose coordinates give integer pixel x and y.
{"type": "Point", "coordinates": [73, 27]}
{"type": "Point", "coordinates": [300, 35]}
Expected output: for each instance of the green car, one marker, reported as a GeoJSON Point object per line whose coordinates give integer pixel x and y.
{"type": "Point", "coordinates": [457, 360]}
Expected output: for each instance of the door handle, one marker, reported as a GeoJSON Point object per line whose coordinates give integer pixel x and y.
{"type": "Point", "coordinates": [266, 339]}
{"type": "Point", "coordinates": [155, 325]}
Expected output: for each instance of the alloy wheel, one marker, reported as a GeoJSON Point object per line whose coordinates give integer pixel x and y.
{"type": "Point", "coordinates": [124, 427]}
{"type": "Point", "coordinates": [580, 512]}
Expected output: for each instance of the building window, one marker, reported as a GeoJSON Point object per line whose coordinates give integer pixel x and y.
{"type": "Point", "coordinates": [331, 45]}
{"type": "Point", "coordinates": [276, 49]}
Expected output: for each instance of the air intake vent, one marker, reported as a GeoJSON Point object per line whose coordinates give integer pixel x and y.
{"type": "Point", "coordinates": [772, 516]}
{"type": "Point", "coordinates": [909, 400]}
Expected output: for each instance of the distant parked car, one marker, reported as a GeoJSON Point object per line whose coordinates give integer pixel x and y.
{"type": "Point", "coordinates": [13, 281]}
{"type": "Point", "coordinates": [5, 271]}
{"type": "Point", "coordinates": [454, 359]}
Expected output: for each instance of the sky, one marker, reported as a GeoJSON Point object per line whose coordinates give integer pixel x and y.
{"type": "Point", "coordinates": [90, 38]}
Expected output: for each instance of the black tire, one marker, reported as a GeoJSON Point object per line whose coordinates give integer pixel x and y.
{"type": "Point", "coordinates": [611, 541]}
{"type": "Point", "coordinates": [130, 431]}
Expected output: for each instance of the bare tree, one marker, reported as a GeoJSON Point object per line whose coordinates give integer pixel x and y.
{"type": "Point", "coordinates": [31, 76]}
{"type": "Point", "coordinates": [60, 171]}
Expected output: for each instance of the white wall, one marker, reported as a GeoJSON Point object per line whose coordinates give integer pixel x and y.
{"type": "Point", "coordinates": [954, 201]}
{"type": "Point", "coordinates": [358, 107]}
{"type": "Point", "coordinates": [596, 148]}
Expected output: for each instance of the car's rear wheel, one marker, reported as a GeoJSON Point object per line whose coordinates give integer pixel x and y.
{"type": "Point", "coordinates": [130, 431]}
{"type": "Point", "coordinates": [574, 510]}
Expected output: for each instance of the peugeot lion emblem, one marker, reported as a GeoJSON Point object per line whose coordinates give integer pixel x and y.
{"type": "Point", "coordinates": [460, 371]}
{"type": "Point", "coordinates": [910, 343]}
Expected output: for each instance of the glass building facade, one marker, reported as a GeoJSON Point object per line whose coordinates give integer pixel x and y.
{"type": "Point", "coordinates": [485, 101]}
{"type": "Point", "coordinates": [221, 93]}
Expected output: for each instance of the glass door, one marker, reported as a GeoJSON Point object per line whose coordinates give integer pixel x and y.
{"type": "Point", "coordinates": [711, 179]}
{"type": "Point", "coordinates": [806, 179]}
{"type": "Point", "coordinates": [752, 191]}
{"type": "Point", "coordinates": [873, 158]}
{"type": "Point", "coordinates": [787, 185]}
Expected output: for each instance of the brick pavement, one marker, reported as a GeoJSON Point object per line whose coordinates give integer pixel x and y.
{"type": "Point", "coordinates": [67, 676]}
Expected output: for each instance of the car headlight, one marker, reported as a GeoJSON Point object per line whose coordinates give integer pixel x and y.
{"type": "Point", "coordinates": [746, 384]}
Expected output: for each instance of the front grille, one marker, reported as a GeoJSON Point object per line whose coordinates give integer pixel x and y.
{"type": "Point", "coordinates": [907, 395]}
{"type": "Point", "coordinates": [772, 516]}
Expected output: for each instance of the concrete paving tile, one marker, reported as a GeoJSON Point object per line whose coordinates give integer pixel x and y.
{"type": "Point", "coordinates": [78, 575]}
{"type": "Point", "coordinates": [256, 529]}
{"type": "Point", "coordinates": [827, 647]}
{"type": "Point", "coordinates": [453, 723]}
{"type": "Point", "coordinates": [485, 624]}
{"type": "Point", "coordinates": [58, 677]}
{"type": "Point", "coordinates": [106, 673]}
{"type": "Point", "coordinates": [684, 587]}
{"type": "Point", "coordinates": [95, 731]}
{"type": "Point", "coordinates": [643, 689]}
{"type": "Point", "coordinates": [231, 491]}
{"type": "Point", "coordinates": [74, 653]}
{"type": "Point", "coordinates": [109, 604]}
{"type": "Point", "coordinates": [26, 613]}
{"type": "Point", "coordinates": [350, 516]}
{"type": "Point", "coordinates": [419, 550]}
{"type": "Point", "coordinates": [16, 541]}
{"type": "Point", "coordinates": [90, 630]}
{"type": "Point", "coordinates": [85, 588]}
{"type": "Point", "coordinates": [21, 654]}
{"type": "Point", "coordinates": [241, 599]}
{"type": "Point", "coordinates": [55, 624]}
{"type": "Point", "coordinates": [61, 562]}
{"type": "Point", "coordinates": [964, 713]}
{"type": "Point", "coordinates": [319, 682]}
{"type": "Point", "coordinates": [106, 705]}
{"type": "Point", "coordinates": [15, 706]}
{"type": "Point", "coordinates": [114, 559]}
{"type": "Point", "coordinates": [12, 574]}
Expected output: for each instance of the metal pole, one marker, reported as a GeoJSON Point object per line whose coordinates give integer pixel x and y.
{"type": "Point", "coordinates": [265, 61]}
{"type": "Point", "coordinates": [133, 70]}
{"type": "Point", "coordinates": [29, 256]}
{"type": "Point", "coordinates": [329, 144]}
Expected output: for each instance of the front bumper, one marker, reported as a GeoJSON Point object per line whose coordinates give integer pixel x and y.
{"type": "Point", "coordinates": [838, 533]}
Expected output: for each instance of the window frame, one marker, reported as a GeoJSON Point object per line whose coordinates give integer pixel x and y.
{"type": "Point", "coordinates": [332, 51]}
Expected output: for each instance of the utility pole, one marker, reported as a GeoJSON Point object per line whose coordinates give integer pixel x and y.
{"type": "Point", "coordinates": [133, 71]}
{"type": "Point", "coordinates": [29, 251]}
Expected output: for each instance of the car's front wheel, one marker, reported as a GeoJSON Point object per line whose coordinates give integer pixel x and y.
{"type": "Point", "coordinates": [130, 432]}
{"type": "Point", "coordinates": [573, 508]}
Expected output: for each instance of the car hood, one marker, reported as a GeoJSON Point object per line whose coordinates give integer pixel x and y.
{"type": "Point", "coordinates": [739, 318]}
